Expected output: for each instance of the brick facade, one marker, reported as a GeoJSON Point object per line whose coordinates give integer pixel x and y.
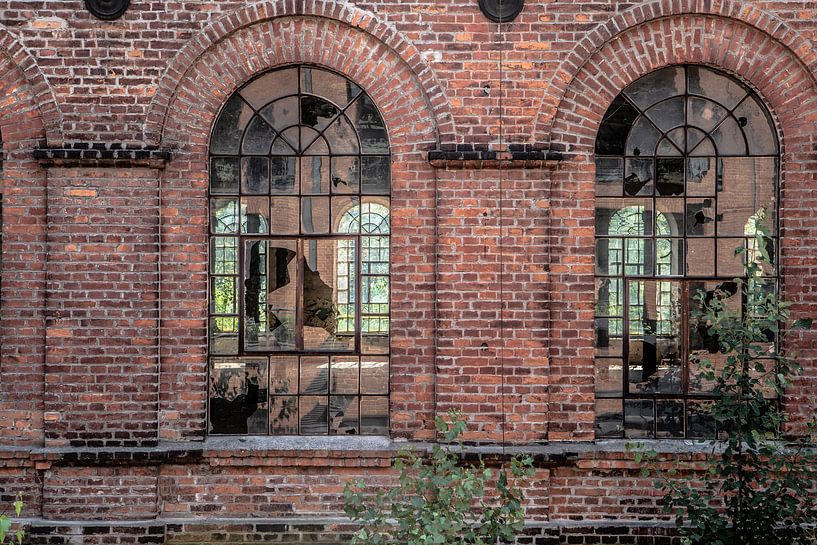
{"type": "Point", "coordinates": [105, 130]}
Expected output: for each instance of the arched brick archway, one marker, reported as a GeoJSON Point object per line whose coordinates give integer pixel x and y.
{"type": "Point", "coordinates": [787, 85]}
{"type": "Point", "coordinates": [383, 39]}
{"type": "Point", "coordinates": [736, 11]}
{"type": "Point", "coordinates": [24, 238]}
{"type": "Point", "coordinates": [411, 122]}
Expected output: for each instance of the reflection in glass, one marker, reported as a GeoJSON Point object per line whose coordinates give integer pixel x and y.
{"type": "Point", "coordinates": [638, 177]}
{"type": "Point", "coordinates": [374, 415]}
{"type": "Point", "coordinates": [269, 295]}
{"type": "Point", "coordinates": [639, 418]}
{"type": "Point", "coordinates": [321, 295]}
{"type": "Point", "coordinates": [238, 396]}
{"type": "Point", "coordinates": [609, 418]}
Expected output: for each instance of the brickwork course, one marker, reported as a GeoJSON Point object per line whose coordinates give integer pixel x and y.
{"type": "Point", "coordinates": [103, 325]}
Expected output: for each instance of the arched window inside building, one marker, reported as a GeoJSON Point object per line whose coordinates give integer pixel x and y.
{"type": "Point", "coordinates": [299, 259]}
{"type": "Point", "coordinates": [687, 163]}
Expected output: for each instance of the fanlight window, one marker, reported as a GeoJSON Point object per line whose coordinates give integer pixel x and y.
{"type": "Point", "coordinates": [299, 258]}
{"type": "Point", "coordinates": [687, 164]}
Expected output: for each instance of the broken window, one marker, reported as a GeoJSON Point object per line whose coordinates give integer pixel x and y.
{"type": "Point", "coordinates": [300, 181]}
{"type": "Point", "coordinates": [687, 163]}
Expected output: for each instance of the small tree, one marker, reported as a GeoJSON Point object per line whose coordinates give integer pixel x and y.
{"type": "Point", "coordinates": [439, 500]}
{"type": "Point", "coordinates": [6, 523]}
{"type": "Point", "coordinates": [765, 484]}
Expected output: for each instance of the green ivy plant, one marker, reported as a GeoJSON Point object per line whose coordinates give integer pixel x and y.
{"type": "Point", "coordinates": [438, 500]}
{"type": "Point", "coordinates": [757, 487]}
{"type": "Point", "coordinates": [6, 523]}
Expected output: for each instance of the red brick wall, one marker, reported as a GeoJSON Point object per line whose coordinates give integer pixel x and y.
{"type": "Point", "coordinates": [104, 287]}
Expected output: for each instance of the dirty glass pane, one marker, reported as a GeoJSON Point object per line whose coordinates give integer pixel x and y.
{"type": "Point", "coordinates": [700, 177]}
{"type": "Point", "coordinates": [238, 396]}
{"type": "Point", "coordinates": [614, 129]}
{"type": "Point", "coordinates": [344, 375]}
{"type": "Point", "coordinates": [669, 257]}
{"type": "Point", "coordinates": [374, 415]}
{"type": "Point", "coordinates": [375, 175]}
{"type": "Point", "coordinates": [609, 256]}
{"type": "Point", "coordinates": [708, 83]}
{"type": "Point", "coordinates": [670, 422]}
{"type": "Point", "coordinates": [669, 217]}
{"type": "Point", "coordinates": [609, 297]}
{"type": "Point", "coordinates": [281, 114]}
{"type": "Point", "coordinates": [609, 376]}
{"type": "Point", "coordinates": [270, 86]}
{"type": "Point", "coordinates": [315, 175]}
{"type": "Point", "coordinates": [758, 127]}
{"type": "Point", "coordinates": [609, 175]}
{"type": "Point", "coordinates": [639, 418]}
{"type": "Point", "coordinates": [609, 418]}
{"type": "Point", "coordinates": [224, 175]}
{"type": "Point", "coordinates": [700, 217]}
{"type": "Point", "coordinates": [705, 114]}
{"type": "Point", "coordinates": [669, 176]}
{"type": "Point", "coordinates": [748, 194]}
{"type": "Point", "coordinates": [255, 215]}
{"type": "Point", "coordinates": [255, 175]}
{"type": "Point", "coordinates": [346, 215]}
{"type": "Point", "coordinates": [270, 290]}
{"type": "Point", "coordinates": [643, 139]}
{"type": "Point", "coordinates": [375, 342]}
{"type": "Point", "coordinates": [284, 179]}
{"type": "Point", "coordinates": [316, 113]}
{"type": "Point", "coordinates": [728, 138]}
{"type": "Point", "coordinates": [285, 216]}
{"type": "Point", "coordinates": [638, 257]}
{"type": "Point", "coordinates": [314, 415]}
{"type": "Point", "coordinates": [609, 337]}
{"type": "Point", "coordinates": [230, 126]}
{"type": "Point", "coordinates": [342, 137]}
{"type": "Point", "coordinates": [314, 375]}
{"type": "Point", "coordinates": [700, 257]}
{"type": "Point", "coordinates": [344, 414]}
{"type": "Point", "coordinates": [638, 177]}
{"type": "Point", "coordinates": [374, 375]}
{"type": "Point", "coordinates": [258, 137]}
{"type": "Point", "coordinates": [700, 423]}
{"type": "Point", "coordinates": [332, 87]}
{"type": "Point", "coordinates": [224, 216]}
{"type": "Point", "coordinates": [283, 375]}
{"type": "Point", "coordinates": [345, 174]}
{"type": "Point", "coordinates": [370, 126]}
{"type": "Point", "coordinates": [655, 356]}
{"type": "Point", "coordinates": [224, 334]}
{"type": "Point", "coordinates": [283, 415]}
{"type": "Point", "coordinates": [657, 86]}
{"type": "Point", "coordinates": [631, 217]}
{"type": "Point", "coordinates": [668, 114]}
{"type": "Point", "coordinates": [314, 215]}
{"type": "Point", "coordinates": [730, 263]}
{"type": "Point", "coordinates": [323, 293]}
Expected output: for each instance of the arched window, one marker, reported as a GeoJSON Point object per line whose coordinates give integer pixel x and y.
{"type": "Point", "coordinates": [300, 225]}
{"type": "Point", "coordinates": [687, 163]}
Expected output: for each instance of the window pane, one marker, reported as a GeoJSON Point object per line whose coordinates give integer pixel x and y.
{"type": "Point", "coordinates": [758, 127]}
{"type": "Point", "coordinates": [748, 189]}
{"type": "Point", "coordinates": [375, 175]}
{"type": "Point", "coordinates": [670, 421]}
{"type": "Point", "coordinates": [609, 297]}
{"type": "Point", "coordinates": [328, 85]}
{"type": "Point", "coordinates": [370, 126]}
{"type": "Point", "coordinates": [609, 336]}
{"type": "Point", "coordinates": [374, 415]}
{"type": "Point", "coordinates": [255, 215]}
{"type": "Point", "coordinates": [284, 175]}
{"type": "Point", "coordinates": [314, 375]}
{"type": "Point", "coordinates": [344, 375]}
{"type": "Point", "coordinates": [700, 257]}
{"type": "Point", "coordinates": [314, 215]}
{"type": "Point", "coordinates": [720, 88]}
{"type": "Point", "coordinates": [271, 86]}
{"type": "Point", "coordinates": [668, 114]}
{"type": "Point", "coordinates": [669, 257]}
{"type": "Point", "coordinates": [283, 415]}
{"type": "Point", "coordinates": [323, 290]}
{"type": "Point", "coordinates": [224, 175]}
{"type": "Point", "coordinates": [374, 375]}
{"type": "Point", "coordinates": [224, 335]}
{"type": "Point", "coordinates": [345, 415]}
{"type": "Point", "coordinates": [281, 114]}
{"type": "Point", "coordinates": [624, 216]}
{"type": "Point", "coordinates": [238, 396]}
{"type": "Point", "coordinates": [314, 415]}
{"type": "Point", "coordinates": [638, 177]}
{"type": "Point", "coordinates": [609, 418]}
{"type": "Point", "coordinates": [258, 137]}
{"type": "Point", "coordinates": [657, 86]}
{"type": "Point", "coordinates": [345, 174]}
{"type": "Point", "coordinates": [270, 291]}
{"type": "Point", "coordinates": [284, 375]}
{"type": "Point", "coordinates": [224, 255]}
{"type": "Point", "coordinates": [316, 113]}
{"type": "Point", "coordinates": [315, 174]}
{"type": "Point", "coordinates": [609, 176]}
{"type": "Point", "coordinates": [669, 176]}
{"type": "Point", "coordinates": [639, 418]}
{"type": "Point", "coordinates": [255, 175]}
{"type": "Point", "coordinates": [730, 263]}
{"type": "Point", "coordinates": [224, 216]}
{"type": "Point", "coordinates": [224, 299]}
{"type": "Point", "coordinates": [700, 423]}
{"type": "Point", "coordinates": [700, 217]}
{"type": "Point", "coordinates": [669, 217]}
{"type": "Point", "coordinates": [230, 126]}
{"type": "Point", "coordinates": [285, 216]}
{"type": "Point", "coordinates": [609, 376]}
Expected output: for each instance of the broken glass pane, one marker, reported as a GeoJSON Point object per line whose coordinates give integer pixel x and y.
{"type": "Point", "coordinates": [323, 290]}
{"type": "Point", "coordinates": [270, 291]}
{"type": "Point", "coordinates": [238, 396]}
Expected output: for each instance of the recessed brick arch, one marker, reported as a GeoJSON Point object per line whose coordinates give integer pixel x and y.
{"type": "Point", "coordinates": [22, 319]}
{"type": "Point", "coordinates": [30, 76]}
{"type": "Point", "coordinates": [782, 79]}
{"type": "Point", "coordinates": [740, 12]}
{"type": "Point", "coordinates": [191, 113]}
{"type": "Point", "coordinates": [384, 41]}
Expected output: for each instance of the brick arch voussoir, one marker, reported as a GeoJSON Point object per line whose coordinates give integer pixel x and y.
{"type": "Point", "coordinates": [736, 48]}
{"type": "Point", "coordinates": [24, 72]}
{"type": "Point", "coordinates": [381, 37]}
{"type": "Point", "coordinates": [649, 12]}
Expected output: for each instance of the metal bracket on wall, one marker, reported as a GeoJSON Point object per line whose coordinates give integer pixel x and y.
{"type": "Point", "coordinates": [107, 9]}
{"type": "Point", "coordinates": [501, 11]}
